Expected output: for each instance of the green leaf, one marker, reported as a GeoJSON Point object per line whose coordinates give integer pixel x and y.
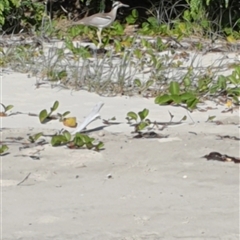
{"type": "Point", "coordinates": [55, 106]}
{"type": "Point", "coordinates": [192, 103]}
{"type": "Point", "coordinates": [62, 74]}
{"type": "Point", "coordinates": [203, 84]}
{"type": "Point", "coordinates": [236, 100]}
{"type": "Point", "coordinates": [222, 82]}
{"type": "Point", "coordinates": [210, 118]}
{"type": "Point", "coordinates": [205, 23]}
{"type": "Point", "coordinates": [176, 99]}
{"type": "Point", "coordinates": [214, 88]}
{"type": "Point", "coordinates": [1, 8]}
{"type": "Point", "coordinates": [234, 91]}
{"type": "Point", "coordinates": [3, 149]}
{"type": "Point", "coordinates": [31, 139]}
{"type": "Point", "coordinates": [144, 42]}
{"type": "Point", "coordinates": [138, 53]}
{"type": "Point", "coordinates": [149, 83]}
{"type": "Point", "coordinates": [99, 146]}
{"type": "Point", "coordinates": [164, 99]}
{"type": "Point", "coordinates": [58, 140]}
{"type": "Point", "coordinates": [43, 115]}
{"type": "Point", "coordinates": [37, 136]}
{"type": "Point", "coordinates": [184, 118]}
{"type": "Point", "coordinates": [143, 114]}
{"type": "Point", "coordinates": [89, 145]}
{"type": "Point", "coordinates": [67, 135]}
{"type": "Point", "coordinates": [78, 141]}
{"type": "Point", "coordinates": [174, 88]}
{"type": "Point", "coordinates": [187, 82]}
{"type": "Point", "coordinates": [186, 96]}
{"type": "Point", "coordinates": [119, 28]}
{"type": "Point", "coordinates": [118, 45]}
{"type": "Point", "coordinates": [153, 21]}
{"type": "Point", "coordinates": [4, 107]}
{"type": "Point", "coordinates": [137, 82]}
{"type": "Point", "coordinates": [135, 13]}
{"type": "Point", "coordinates": [65, 114]}
{"type": "Point", "coordinates": [132, 116]}
{"type": "Point", "coordinates": [86, 30]}
{"type": "Point", "coordinates": [142, 125]}
{"type": "Point", "coordinates": [8, 108]}
{"type": "Point", "coordinates": [234, 79]}
{"type": "Point", "coordinates": [86, 139]}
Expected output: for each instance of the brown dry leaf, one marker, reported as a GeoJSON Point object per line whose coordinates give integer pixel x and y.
{"type": "Point", "coordinates": [70, 122]}
{"type": "Point", "coordinates": [3, 114]}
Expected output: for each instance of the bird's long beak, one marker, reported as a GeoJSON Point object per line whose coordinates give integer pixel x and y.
{"type": "Point", "coordinates": [124, 5]}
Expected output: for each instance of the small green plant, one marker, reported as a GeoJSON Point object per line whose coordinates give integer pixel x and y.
{"type": "Point", "coordinates": [79, 141]}
{"type": "Point", "coordinates": [20, 14]}
{"type": "Point", "coordinates": [234, 80]}
{"type": "Point", "coordinates": [210, 118]}
{"type": "Point", "coordinates": [143, 86]}
{"type": "Point", "coordinates": [126, 41]}
{"type": "Point", "coordinates": [226, 85]}
{"type": "Point", "coordinates": [44, 116]}
{"type": "Point", "coordinates": [77, 51]}
{"type": "Point", "coordinates": [35, 137]}
{"type": "Point", "coordinates": [140, 118]}
{"type": "Point", "coordinates": [144, 127]}
{"type": "Point", "coordinates": [133, 17]}
{"type": "Point", "coordinates": [76, 31]}
{"type": "Point", "coordinates": [5, 110]}
{"type": "Point", "coordinates": [113, 32]}
{"type": "Point", "coordinates": [153, 27]}
{"type": "Point", "coordinates": [61, 139]}
{"type": "Point", "coordinates": [3, 150]}
{"type": "Point", "coordinates": [54, 75]}
{"type": "Point", "coordinates": [178, 98]}
{"type": "Point", "coordinates": [5, 8]}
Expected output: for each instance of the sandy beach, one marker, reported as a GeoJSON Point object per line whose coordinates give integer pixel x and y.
{"type": "Point", "coordinates": [134, 189]}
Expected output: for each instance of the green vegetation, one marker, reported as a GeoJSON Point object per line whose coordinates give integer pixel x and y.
{"type": "Point", "coordinates": [78, 141]}
{"type": "Point", "coordinates": [140, 118]}
{"type": "Point", "coordinates": [158, 58]}
{"type": "Point", "coordinates": [144, 127]}
{"type": "Point", "coordinates": [44, 116]}
{"type": "Point", "coordinates": [35, 137]}
{"type": "Point", "coordinates": [5, 110]}
{"type": "Point", "coordinates": [177, 97]}
{"type": "Point", "coordinates": [16, 15]}
{"type": "Point", "coordinates": [3, 150]}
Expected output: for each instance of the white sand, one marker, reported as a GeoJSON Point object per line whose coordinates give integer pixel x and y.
{"type": "Point", "coordinates": [134, 189]}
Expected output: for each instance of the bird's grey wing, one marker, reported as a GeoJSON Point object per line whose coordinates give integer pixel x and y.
{"type": "Point", "coordinates": [96, 20]}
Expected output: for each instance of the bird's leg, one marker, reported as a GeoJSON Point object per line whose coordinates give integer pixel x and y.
{"type": "Point", "coordinates": [99, 32]}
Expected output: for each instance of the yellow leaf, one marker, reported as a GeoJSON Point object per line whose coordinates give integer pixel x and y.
{"type": "Point", "coordinates": [229, 103]}
{"type": "Point", "coordinates": [231, 39]}
{"type": "Point", "coordinates": [70, 122]}
{"type": "Point", "coordinates": [126, 43]}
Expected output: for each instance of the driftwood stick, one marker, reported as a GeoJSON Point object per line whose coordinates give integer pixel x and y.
{"type": "Point", "coordinates": [90, 118]}
{"type": "Point", "coordinates": [24, 179]}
